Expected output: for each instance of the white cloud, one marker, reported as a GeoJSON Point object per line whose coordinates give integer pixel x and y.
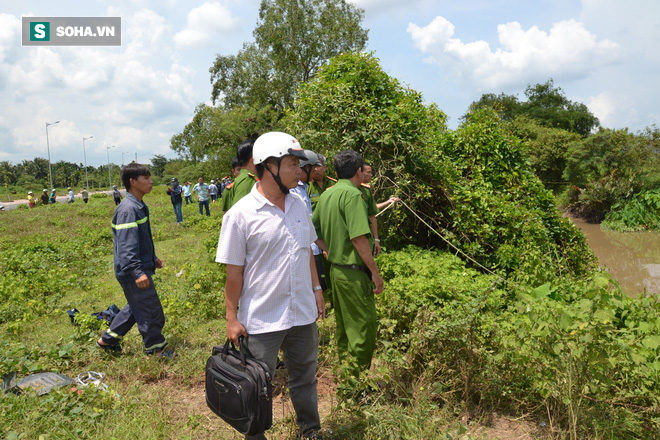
{"type": "Point", "coordinates": [604, 107]}
{"type": "Point", "coordinates": [567, 51]}
{"type": "Point", "coordinates": [211, 18]}
{"type": "Point", "coordinates": [123, 96]}
{"type": "Point", "coordinates": [10, 28]}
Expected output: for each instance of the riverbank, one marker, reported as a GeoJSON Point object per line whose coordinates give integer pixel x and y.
{"type": "Point", "coordinates": [632, 258]}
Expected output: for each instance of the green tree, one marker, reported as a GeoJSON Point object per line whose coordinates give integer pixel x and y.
{"type": "Point", "coordinates": [506, 106]}
{"type": "Point", "coordinates": [293, 39]}
{"type": "Point", "coordinates": [546, 104]}
{"type": "Point", "coordinates": [545, 147]}
{"type": "Point", "coordinates": [214, 133]}
{"type": "Point", "coordinates": [158, 162]}
{"type": "Point", "coordinates": [473, 185]}
{"type": "Point", "coordinates": [38, 167]}
{"type": "Point", "coordinates": [65, 174]}
{"type": "Point", "coordinates": [8, 173]}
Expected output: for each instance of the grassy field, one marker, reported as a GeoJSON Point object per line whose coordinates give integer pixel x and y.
{"type": "Point", "coordinates": [65, 254]}
{"type": "Point", "coordinates": [458, 356]}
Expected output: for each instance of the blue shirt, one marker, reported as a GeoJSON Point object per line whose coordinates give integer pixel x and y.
{"type": "Point", "coordinates": [301, 190]}
{"type": "Point", "coordinates": [202, 191]}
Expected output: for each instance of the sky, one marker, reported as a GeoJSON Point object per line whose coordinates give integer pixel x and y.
{"type": "Point", "coordinates": [132, 99]}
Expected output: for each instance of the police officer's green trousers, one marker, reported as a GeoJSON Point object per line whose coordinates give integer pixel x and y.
{"type": "Point", "coordinates": [355, 313]}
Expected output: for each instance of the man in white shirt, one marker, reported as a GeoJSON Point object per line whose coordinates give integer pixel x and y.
{"type": "Point", "coordinates": [272, 291]}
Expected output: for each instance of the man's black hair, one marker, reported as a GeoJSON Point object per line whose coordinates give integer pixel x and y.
{"type": "Point", "coordinates": [244, 151]}
{"type": "Point", "coordinates": [347, 163]}
{"type": "Point", "coordinates": [235, 162]}
{"type": "Point", "coordinates": [133, 171]}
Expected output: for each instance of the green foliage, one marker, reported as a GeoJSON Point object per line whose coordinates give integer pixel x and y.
{"type": "Point", "coordinates": [353, 103]}
{"type": "Point", "coordinates": [641, 212]}
{"type": "Point", "coordinates": [546, 104]}
{"type": "Point", "coordinates": [575, 352]}
{"type": "Point", "coordinates": [610, 167]}
{"type": "Point", "coordinates": [292, 40]}
{"type": "Point", "coordinates": [469, 185]}
{"type": "Point", "coordinates": [213, 135]}
{"type": "Point", "coordinates": [546, 148]}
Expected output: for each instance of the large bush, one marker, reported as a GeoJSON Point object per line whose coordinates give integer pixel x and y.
{"type": "Point", "coordinates": [576, 355]}
{"type": "Point", "coordinates": [471, 188]}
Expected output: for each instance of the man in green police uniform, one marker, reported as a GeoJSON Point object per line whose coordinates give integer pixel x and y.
{"type": "Point", "coordinates": [372, 209]}
{"type": "Point", "coordinates": [318, 181]}
{"type": "Point", "coordinates": [246, 178]}
{"type": "Point", "coordinates": [341, 221]}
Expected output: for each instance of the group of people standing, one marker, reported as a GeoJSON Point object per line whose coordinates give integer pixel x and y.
{"type": "Point", "coordinates": [47, 199]}
{"type": "Point", "coordinates": [293, 236]}
{"type": "Point", "coordinates": [290, 236]}
{"type": "Point", "coordinates": [204, 193]}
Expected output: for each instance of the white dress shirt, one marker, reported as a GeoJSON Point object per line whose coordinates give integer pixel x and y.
{"type": "Point", "coordinates": [273, 247]}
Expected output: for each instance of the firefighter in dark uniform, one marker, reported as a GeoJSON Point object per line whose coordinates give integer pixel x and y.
{"type": "Point", "coordinates": [135, 262]}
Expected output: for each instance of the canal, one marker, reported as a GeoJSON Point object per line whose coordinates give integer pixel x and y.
{"type": "Point", "coordinates": [632, 258]}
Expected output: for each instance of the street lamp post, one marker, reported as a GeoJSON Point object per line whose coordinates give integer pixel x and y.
{"type": "Point", "coordinates": [85, 156]}
{"type": "Point", "coordinates": [107, 150]}
{"type": "Point", "coordinates": [50, 173]}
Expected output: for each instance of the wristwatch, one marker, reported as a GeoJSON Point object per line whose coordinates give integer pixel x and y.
{"type": "Point", "coordinates": [315, 288]}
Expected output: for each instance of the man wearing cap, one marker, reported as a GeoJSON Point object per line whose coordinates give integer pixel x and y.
{"type": "Point", "coordinates": [246, 178]}
{"type": "Point", "coordinates": [318, 181]}
{"type": "Point", "coordinates": [53, 196]}
{"type": "Point", "coordinates": [84, 194]}
{"type": "Point", "coordinates": [341, 221]}
{"type": "Point", "coordinates": [72, 198]}
{"type": "Point", "coordinates": [116, 195]}
{"type": "Point", "coordinates": [213, 191]}
{"type": "Point", "coordinates": [175, 195]}
{"type": "Point", "coordinates": [272, 294]}
{"type": "Point", "coordinates": [30, 199]}
{"type": "Point", "coordinates": [306, 166]}
{"type": "Point", "coordinates": [44, 197]}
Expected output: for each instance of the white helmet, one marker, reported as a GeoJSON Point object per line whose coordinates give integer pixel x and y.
{"type": "Point", "coordinates": [276, 144]}
{"type": "Point", "coordinates": [311, 158]}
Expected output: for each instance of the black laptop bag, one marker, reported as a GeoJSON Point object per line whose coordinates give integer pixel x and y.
{"type": "Point", "coordinates": [239, 389]}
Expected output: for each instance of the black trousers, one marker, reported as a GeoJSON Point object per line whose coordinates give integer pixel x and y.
{"type": "Point", "coordinates": [143, 308]}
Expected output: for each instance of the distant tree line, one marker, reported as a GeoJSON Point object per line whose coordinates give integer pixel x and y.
{"type": "Point", "coordinates": [33, 174]}
{"type": "Point", "coordinates": [590, 166]}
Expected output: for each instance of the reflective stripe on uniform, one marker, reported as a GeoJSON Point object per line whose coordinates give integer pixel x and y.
{"type": "Point", "coordinates": [131, 224]}
{"type": "Point", "coordinates": [155, 347]}
{"type": "Point", "coordinates": [113, 334]}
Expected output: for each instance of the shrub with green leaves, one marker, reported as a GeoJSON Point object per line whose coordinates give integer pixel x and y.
{"type": "Point", "coordinates": [472, 186]}
{"type": "Point", "coordinates": [641, 212]}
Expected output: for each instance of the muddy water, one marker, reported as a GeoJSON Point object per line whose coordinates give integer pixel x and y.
{"type": "Point", "coordinates": [632, 258]}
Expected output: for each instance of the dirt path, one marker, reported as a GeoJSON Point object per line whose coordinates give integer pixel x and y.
{"type": "Point", "coordinates": [189, 404]}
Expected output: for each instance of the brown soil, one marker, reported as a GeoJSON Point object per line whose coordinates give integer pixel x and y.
{"type": "Point", "coordinates": [188, 407]}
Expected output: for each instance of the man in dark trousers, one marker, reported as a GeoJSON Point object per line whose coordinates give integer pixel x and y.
{"type": "Point", "coordinates": [265, 242]}
{"type": "Point", "coordinates": [135, 262]}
